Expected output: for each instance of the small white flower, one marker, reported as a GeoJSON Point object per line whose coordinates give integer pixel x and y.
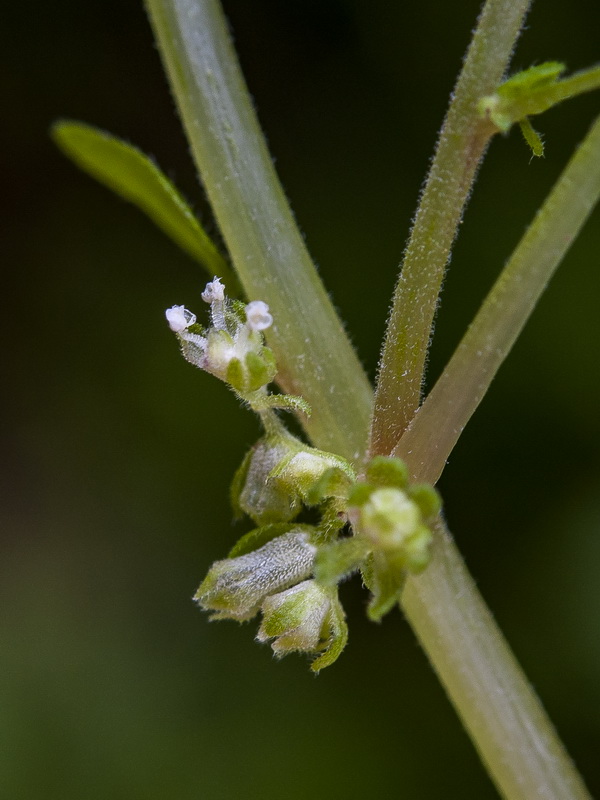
{"type": "Point", "coordinates": [179, 318]}
{"type": "Point", "coordinates": [258, 316]}
{"type": "Point", "coordinates": [214, 291]}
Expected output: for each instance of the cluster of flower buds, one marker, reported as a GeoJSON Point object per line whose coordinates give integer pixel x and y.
{"type": "Point", "coordinates": [285, 570]}
{"type": "Point", "coordinates": [233, 347]}
{"type": "Point", "coordinates": [299, 614]}
{"type": "Point", "coordinates": [391, 537]}
{"type": "Point", "coordinates": [270, 567]}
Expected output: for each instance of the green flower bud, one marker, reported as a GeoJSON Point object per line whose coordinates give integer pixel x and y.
{"type": "Point", "coordinates": [393, 522]}
{"type": "Point", "coordinates": [263, 498]}
{"type": "Point", "coordinates": [307, 618]}
{"type": "Point", "coordinates": [389, 518]}
{"type": "Point", "coordinates": [236, 587]}
{"type": "Point", "coordinates": [279, 474]}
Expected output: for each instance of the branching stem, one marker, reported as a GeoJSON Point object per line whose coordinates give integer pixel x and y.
{"type": "Point", "coordinates": [498, 707]}
{"type": "Point", "coordinates": [461, 146]}
{"type": "Point", "coordinates": [441, 419]}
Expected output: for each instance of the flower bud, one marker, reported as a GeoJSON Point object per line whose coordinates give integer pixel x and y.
{"type": "Point", "coordinates": [235, 587]}
{"type": "Point", "coordinates": [307, 618]}
{"type": "Point", "coordinates": [278, 476]}
{"type": "Point", "coordinates": [389, 518]}
{"type": "Point", "coordinates": [393, 522]}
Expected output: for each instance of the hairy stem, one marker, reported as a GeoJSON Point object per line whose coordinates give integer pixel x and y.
{"type": "Point", "coordinates": [498, 707]}
{"type": "Point", "coordinates": [461, 146]}
{"type": "Point", "coordinates": [441, 419]}
{"type": "Point", "coordinates": [313, 352]}
{"type": "Point", "coordinates": [319, 364]}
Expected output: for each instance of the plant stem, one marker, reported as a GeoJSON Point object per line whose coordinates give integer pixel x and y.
{"type": "Point", "coordinates": [314, 355]}
{"type": "Point", "coordinates": [498, 707]}
{"type": "Point", "coordinates": [272, 262]}
{"type": "Point", "coordinates": [441, 419]}
{"type": "Point", "coordinates": [462, 143]}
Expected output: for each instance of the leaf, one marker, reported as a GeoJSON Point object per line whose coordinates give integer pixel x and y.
{"type": "Point", "coordinates": [534, 91]}
{"type": "Point", "coordinates": [135, 177]}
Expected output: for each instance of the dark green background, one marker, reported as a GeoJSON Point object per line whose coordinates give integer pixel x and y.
{"type": "Point", "coordinates": [117, 454]}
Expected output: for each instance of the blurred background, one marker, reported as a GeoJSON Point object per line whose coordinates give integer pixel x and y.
{"type": "Point", "coordinates": [118, 454]}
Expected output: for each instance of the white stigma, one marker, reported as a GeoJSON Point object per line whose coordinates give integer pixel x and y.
{"type": "Point", "coordinates": [179, 318]}
{"type": "Point", "coordinates": [258, 316]}
{"type": "Point", "coordinates": [214, 291]}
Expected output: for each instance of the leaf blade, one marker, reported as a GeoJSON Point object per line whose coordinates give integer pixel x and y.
{"type": "Point", "coordinates": [135, 177]}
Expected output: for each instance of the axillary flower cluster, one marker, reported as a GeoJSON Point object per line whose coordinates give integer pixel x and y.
{"type": "Point", "coordinates": [284, 568]}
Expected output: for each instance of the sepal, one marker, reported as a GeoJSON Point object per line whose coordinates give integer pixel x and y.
{"type": "Point", "coordinates": [339, 559]}
{"type": "Point", "coordinates": [261, 496]}
{"type": "Point", "coordinates": [386, 580]}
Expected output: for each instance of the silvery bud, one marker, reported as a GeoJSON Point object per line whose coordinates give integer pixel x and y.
{"type": "Point", "coordinates": [279, 474]}
{"type": "Point", "coordinates": [235, 587]}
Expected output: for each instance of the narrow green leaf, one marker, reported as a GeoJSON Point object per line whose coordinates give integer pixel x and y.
{"type": "Point", "coordinates": [461, 146]}
{"type": "Point", "coordinates": [133, 175]}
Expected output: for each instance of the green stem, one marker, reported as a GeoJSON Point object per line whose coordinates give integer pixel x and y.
{"type": "Point", "coordinates": [314, 354]}
{"type": "Point", "coordinates": [272, 262]}
{"type": "Point", "coordinates": [441, 419]}
{"type": "Point", "coordinates": [498, 707]}
{"type": "Point", "coordinates": [461, 146]}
